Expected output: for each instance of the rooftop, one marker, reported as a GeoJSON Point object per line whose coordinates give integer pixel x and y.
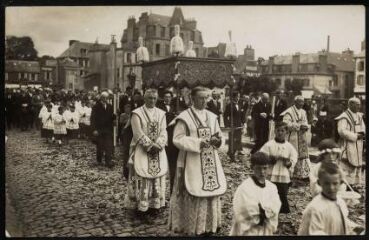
{"type": "Point", "coordinates": [22, 66]}
{"type": "Point", "coordinates": [343, 62]}
{"type": "Point", "coordinates": [74, 50]}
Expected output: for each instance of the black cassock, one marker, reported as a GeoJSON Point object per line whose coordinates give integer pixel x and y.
{"type": "Point", "coordinates": [261, 124]}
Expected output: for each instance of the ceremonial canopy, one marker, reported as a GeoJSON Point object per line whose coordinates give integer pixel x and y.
{"type": "Point", "coordinates": [209, 72]}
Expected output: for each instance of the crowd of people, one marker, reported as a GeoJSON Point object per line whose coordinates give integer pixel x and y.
{"type": "Point", "coordinates": [172, 137]}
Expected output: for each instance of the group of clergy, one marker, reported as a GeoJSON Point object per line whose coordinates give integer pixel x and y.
{"type": "Point", "coordinates": [198, 180]}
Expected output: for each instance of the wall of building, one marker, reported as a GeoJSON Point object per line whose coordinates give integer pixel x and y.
{"type": "Point", "coordinates": [360, 80]}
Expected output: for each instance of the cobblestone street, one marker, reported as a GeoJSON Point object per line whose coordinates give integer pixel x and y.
{"type": "Point", "coordinates": [60, 192]}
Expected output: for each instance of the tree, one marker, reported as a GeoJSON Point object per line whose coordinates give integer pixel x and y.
{"type": "Point", "coordinates": [257, 84]}
{"type": "Point", "coordinates": [295, 85]}
{"type": "Point", "coordinates": [20, 48]}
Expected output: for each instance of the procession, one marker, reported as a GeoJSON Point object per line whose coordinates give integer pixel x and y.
{"type": "Point", "coordinates": [188, 150]}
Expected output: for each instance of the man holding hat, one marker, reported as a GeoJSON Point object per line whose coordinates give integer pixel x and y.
{"type": "Point", "coordinates": [102, 122]}
{"type": "Point", "coordinates": [351, 129]}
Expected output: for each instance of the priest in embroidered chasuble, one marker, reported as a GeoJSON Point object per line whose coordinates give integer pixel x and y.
{"type": "Point", "coordinates": [195, 205]}
{"type": "Point", "coordinates": [351, 128]}
{"type": "Point", "coordinates": [148, 163]}
{"type": "Point", "coordinates": [297, 124]}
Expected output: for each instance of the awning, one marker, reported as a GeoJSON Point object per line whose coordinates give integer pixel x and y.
{"type": "Point", "coordinates": [322, 90]}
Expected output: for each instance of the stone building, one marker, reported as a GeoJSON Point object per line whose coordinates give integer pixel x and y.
{"type": "Point", "coordinates": [19, 72]}
{"type": "Point", "coordinates": [157, 31]}
{"type": "Point", "coordinates": [322, 73]}
{"type": "Point", "coordinates": [246, 65]}
{"type": "Point", "coordinates": [360, 66]}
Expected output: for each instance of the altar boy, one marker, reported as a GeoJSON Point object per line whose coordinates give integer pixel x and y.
{"type": "Point", "coordinates": [327, 213]}
{"type": "Point", "coordinates": [256, 202]}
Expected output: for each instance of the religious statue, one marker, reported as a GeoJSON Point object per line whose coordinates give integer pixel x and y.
{"type": "Point", "coordinates": [176, 43]}
{"type": "Point", "coordinates": [190, 52]}
{"type": "Point", "coordinates": [230, 51]}
{"type": "Point", "coordinates": [142, 53]}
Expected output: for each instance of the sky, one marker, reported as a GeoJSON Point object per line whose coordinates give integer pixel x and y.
{"type": "Point", "coordinates": [270, 30]}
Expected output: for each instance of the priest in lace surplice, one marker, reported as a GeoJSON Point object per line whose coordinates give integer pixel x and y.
{"type": "Point", "coordinates": [195, 205]}
{"type": "Point", "coordinates": [148, 163]}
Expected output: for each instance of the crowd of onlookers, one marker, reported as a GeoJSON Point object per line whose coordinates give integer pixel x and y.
{"type": "Point", "coordinates": [23, 106]}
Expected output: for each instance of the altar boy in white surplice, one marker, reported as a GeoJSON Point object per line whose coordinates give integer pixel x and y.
{"type": "Point", "coordinates": [148, 163]}
{"type": "Point", "coordinates": [256, 202]}
{"type": "Point", "coordinates": [327, 213]}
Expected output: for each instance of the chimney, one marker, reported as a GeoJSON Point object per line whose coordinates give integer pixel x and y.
{"type": "Point", "coordinates": [328, 43]}
{"type": "Point", "coordinates": [270, 64]}
{"type": "Point", "coordinates": [323, 62]}
{"type": "Point", "coordinates": [363, 45]}
{"type": "Point", "coordinates": [295, 62]}
{"type": "Point", "coordinates": [72, 41]}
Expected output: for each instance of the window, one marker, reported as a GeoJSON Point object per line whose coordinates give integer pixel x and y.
{"type": "Point", "coordinates": [87, 63]}
{"type": "Point", "coordinates": [128, 58]}
{"type": "Point", "coordinates": [118, 72]}
{"type": "Point", "coordinates": [360, 80]}
{"type": "Point", "coordinates": [154, 31]}
{"type": "Point", "coordinates": [360, 66]}
{"type": "Point", "coordinates": [83, 52]}
{"type": "Point", "coordinates": [70, 85]}
{"type": "Point", "coordinates": [335, 82]}
{"type": "Point", "coordinates": [6, 77]}
{"type": "Point", "coordinates": [162, 32]}
{"type": "Point", "coordinates": [157, 49]}
{"type": "Point", "coordinates": [306, 82]}
{"type": "Point", "coordinates": [278, 81]}
{"type": "Point", "coordinates": [171, 32]}
{"type": "Point", "coordinates": [167, 50]}
{"type": "Point", "coordinates": [193, 36]}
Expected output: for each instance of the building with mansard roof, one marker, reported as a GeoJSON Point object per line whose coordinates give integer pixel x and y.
{"type": "Point", "coordinates": [157, 31]}
{"type": "Point", "coordinates": [322, 73]}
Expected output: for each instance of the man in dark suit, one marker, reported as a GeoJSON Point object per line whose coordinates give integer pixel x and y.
{"type": "Point", "coordinates": [125, 99]}
{"type": "Point", "coordinates": [214, 105]}
{"type": "Point", "coordinates": [102, 122]}
{"type": "Point", "coordinates": [137, 100]}
{"type": "Point", "coordinates": [280, 106]}
{"type": "Point", "coordinates": [169, 107]}
{"type": "Point", "coordinates": [238, 124]}
{"type": "Point", "coordinates": [261, 113]}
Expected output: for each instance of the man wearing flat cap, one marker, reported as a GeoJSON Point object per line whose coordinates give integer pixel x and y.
{"type": "Point", "coordinates": [351, 129]}
{"type": "Point", "coordinates": [102, 122]}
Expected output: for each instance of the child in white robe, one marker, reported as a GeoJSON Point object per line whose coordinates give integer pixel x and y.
{"type": "Point", "coordinates": [47, 124]}
{"type": "Point", "coordinates": [329, 152]}
{"type": "Point", "coordinates": [72, 119]}
{"type": "Point", "coordinates": [284, 157]}
{"type": "Point", "coordinates": [256, 202]}
{"type": "Point", "coordinates": [60, 130]}
{"type": "Point", "coordinates": [327, 213]}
